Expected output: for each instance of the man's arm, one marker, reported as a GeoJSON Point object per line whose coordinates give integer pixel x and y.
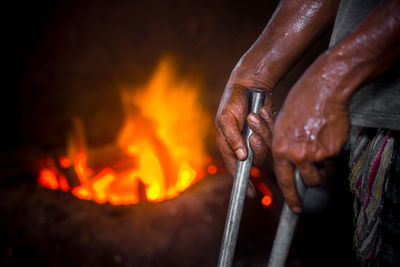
{"type": "Point", "coordinates": [294, 26]}
{"type": "Point", "coordinates": [314, 123]}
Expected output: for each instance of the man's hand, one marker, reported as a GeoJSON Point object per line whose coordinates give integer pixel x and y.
{"type": "Point", "coordinates": [313, 125]}
{"type": "Point", "coordinates": [230, 120]}
{"type": "Point", "coordinates": [294, 26]}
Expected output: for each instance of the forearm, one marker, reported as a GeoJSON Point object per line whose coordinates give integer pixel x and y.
{"type": "Point", "coordinates": [365, 53]}
{"type": "Point", "coordinates": [294, 26]}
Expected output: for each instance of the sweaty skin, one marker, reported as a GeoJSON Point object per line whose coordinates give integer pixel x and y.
{"type": "Point", "coordinates": [313, 123]}
{"type": "Point", "coordinates": [294, 26]}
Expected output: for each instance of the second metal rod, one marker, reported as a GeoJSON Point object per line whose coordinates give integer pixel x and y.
{"type": "Point", "coordinates": [286, 228]}
{"type": "Point", "coordinates": [239, 191]}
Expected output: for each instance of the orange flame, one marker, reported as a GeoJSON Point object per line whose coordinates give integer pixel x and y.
{"type": "Point", "coordinates": [164, 133]}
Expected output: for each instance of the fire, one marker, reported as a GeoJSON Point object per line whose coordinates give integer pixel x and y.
{"type": "Point", "coordinates": [164, 133]}
{"type": "Point", "coordinates": [49, 177]}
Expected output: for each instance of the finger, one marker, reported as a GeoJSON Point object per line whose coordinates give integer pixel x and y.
{"type": "Point", "coordinates": [231, 161]}
{"type": "Point", "coordinates": [259, 139]}
{"type": "Point", "coordinates": [227, 154]}
{"type": "Point", "coordinates": [259, 149]}
{"type": "Point", "coordinates": [231, 128]}
{"type": "Point", "coordinates": [269, 106]}
{"type": "Point", "coordinates": [269, 117]}
{"type": "Point", "coordinates": [260, 127]}
{"type": "Point", "coordinates": [285, 177]}
{"type": "Point", "coordinates": [309, 174]}
{"type": "Point", "coordinates": [269, 103]}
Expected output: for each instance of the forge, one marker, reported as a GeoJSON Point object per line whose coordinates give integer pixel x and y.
{"type": "Point", "coordinates": [109, 157]}
{"type": "Point", "coordinates": [159, 150]}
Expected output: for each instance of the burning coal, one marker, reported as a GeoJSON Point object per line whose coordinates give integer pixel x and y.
{"type": "Point", "coordinates": [158, 154]}
{"type": "Point", "coordinates": [163, 138]}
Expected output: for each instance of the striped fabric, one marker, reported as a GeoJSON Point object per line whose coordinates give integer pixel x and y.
{"type": "Point", "coordinates": [390, 230]}
{"type": "Point", "coordinates": [370, 160]}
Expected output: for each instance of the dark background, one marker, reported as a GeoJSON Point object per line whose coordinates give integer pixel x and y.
{"type": "Point", "coordinates": [70, 58]}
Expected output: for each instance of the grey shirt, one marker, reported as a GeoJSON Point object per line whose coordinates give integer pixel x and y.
{"type": "Point", "coordinates": [375, 104]}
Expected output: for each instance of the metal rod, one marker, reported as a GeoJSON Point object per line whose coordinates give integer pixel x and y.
{"type": "Point", "coordinates": [286, 228]}
{"type": "Point", "coordinates": [239, 191]}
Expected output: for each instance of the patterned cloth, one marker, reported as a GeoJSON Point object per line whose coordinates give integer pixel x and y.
{"type": "Point", "coordinates": [371, 175]}
{"type": "Point", "coordinates": [390, 230]}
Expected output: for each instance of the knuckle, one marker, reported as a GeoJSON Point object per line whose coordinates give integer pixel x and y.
{"type": "Point", "coordinates": [256, 141]}
{"type": "Point", "coordinates": [222, 118]}
{"type": "Point", "coordinates": [279, 150]}
{"type": "Point", "coordinates": [299, 156]}
{"type": "Point", "coordinates": [224, 114]}
{"type": "Point", "coordinates": [297, 159]}
{"type": "Point", "coordinates": [319, 156]}
{"type": "Point", "coordinates": [284, 183]}
{"type": "Point", "coordinates": [259, 150]}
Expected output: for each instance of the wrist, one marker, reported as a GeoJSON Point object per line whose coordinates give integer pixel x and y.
{"type": "Point", "coordinates": [368, 50]}
{"type": "Point", "coordinates": [254, 71]}
{"type": "Point", "coordinates": [345, 69]}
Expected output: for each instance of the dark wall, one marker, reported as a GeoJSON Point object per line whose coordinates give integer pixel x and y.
{"type": "Point", "coordinates": [70, 58]}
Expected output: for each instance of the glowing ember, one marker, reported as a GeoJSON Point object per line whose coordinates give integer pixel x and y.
{"type": "Point", "coordinates": [255, 172]}
{"type": "Point", "coordinates": [64, 162]}
{"type": "Point", "coordinates": [50, 178]}
{"type": "Point", "coordinates": [163, 134]}
{"type": "Point", "coordinates": [212, 169]}
{"type": "Point", "coordinates": [266, 200]}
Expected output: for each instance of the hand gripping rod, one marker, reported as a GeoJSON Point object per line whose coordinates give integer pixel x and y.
{"type": "Point", "coordinates": [239, 190]}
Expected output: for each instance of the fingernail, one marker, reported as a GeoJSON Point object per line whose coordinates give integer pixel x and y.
{"type": "Point", "coordinates": [296, 209]}
{"type": "Point", "coordinates": [264, 112]}
{"type": "Point", "coordinates": [256, 139]}
{"type": "Point", "coordinates": [240, 154]}
{"type": "Point", "coordinates": [254, 119]}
